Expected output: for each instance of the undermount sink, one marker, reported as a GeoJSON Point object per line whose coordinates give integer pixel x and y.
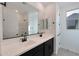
{"type": "Point", "coordinates": [31, 40]}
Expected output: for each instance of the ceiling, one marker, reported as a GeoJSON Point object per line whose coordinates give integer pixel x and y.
{"type": "Point", "coordinates": [67, 4]}
{"type": "Point", "coordinates": [46, 3]}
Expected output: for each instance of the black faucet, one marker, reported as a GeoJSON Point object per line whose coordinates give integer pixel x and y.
{"type": "Point", "coordinates": [25, 37]}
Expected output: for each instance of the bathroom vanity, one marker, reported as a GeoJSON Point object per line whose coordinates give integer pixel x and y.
{"type": "Point", "coordinates": [44, 49]}
{"type": "Point", "coordinates": [34, 46]}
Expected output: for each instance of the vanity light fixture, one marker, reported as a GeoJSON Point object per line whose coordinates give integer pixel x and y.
{"type": "Point", "coordinates": [3, 3]}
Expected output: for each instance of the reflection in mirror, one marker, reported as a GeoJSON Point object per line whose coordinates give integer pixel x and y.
{"type": "Point", "coordinates": [72, 19]}
{"type": "Point", "coordinates": [43, 25]}
{"type": "Point", "coordinates": [16, 20]}
{"type": "Point", "coordinates": [46, 23]}
{"type": "Point", "coordinates": [33, 23]}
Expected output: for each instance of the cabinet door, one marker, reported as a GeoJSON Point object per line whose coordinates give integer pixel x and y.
{"type": "Point", "coordinates": [48, 47]}
{"type": "Point", "coordinates": [29, 53]}
{"type": "Point", "coordinates": [37, 51]}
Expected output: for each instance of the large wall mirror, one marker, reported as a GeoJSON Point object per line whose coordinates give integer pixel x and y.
{"type": "Point", "coordinates": [72, 19]}
{"type": "Point", "coordinates": [21, 19]}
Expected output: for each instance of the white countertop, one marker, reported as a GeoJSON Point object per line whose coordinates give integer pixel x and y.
{"type": "Point", "coordinates": [18, 48]}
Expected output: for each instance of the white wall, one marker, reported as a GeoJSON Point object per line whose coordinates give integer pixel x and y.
{"type": "Point", "coordinates": [69, 38]}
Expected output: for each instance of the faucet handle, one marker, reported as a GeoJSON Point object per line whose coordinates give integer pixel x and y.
{"type": "Point", "coordinates": [24, 39]}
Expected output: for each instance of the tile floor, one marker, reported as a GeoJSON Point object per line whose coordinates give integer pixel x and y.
{"type": "Point", "coordinates": [65, 52]}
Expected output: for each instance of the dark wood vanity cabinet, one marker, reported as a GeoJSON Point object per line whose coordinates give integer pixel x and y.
{"type": "Point", "coordinates": [45, 49]}
{"type": "Point", "coordinates": [48, 47]}
{"type": "Point", "coordinates": [37, 51]}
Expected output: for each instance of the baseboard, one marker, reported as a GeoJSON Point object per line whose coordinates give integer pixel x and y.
{"type": "Point", "coordinates": [56, 51]}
